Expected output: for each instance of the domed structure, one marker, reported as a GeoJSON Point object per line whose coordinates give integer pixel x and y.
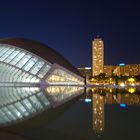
{"type": "Point", "coordinates": [27, 70]}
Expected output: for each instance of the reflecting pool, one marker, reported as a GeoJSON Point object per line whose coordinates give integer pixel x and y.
{"type": "Point", "coordinates": [98, 113]}
{"type": "Point", "coordinates": [103, 113]}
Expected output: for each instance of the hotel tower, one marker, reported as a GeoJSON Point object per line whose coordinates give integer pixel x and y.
{"type": "Point", "coordinates": [97, 56]}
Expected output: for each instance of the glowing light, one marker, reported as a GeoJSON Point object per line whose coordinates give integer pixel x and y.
{"type": "Point", "coordinates": [132, 84]}
{"type": "Point", "coordinates": [122, 84]}
{"type": "Point", "coordinates": [131, 90]}
{"type": "Point", "coordinates": [93, 80]}
{"type": "Point", "coordinates": [93, 89]}
{"type": "Point", "coordinates": [87, 68]}
{"type": "Point", "coordinates": [121, 64]}
{"type": "Point", "coordinates": [87, 100]}
{"type": "Point", "coordinates": [123, 105]}
{"type": "Point", "coordinates": [110, 90]}
{"type": "Point", "coordinates": [18, 114]}
{"type": "Point", "coordinates": [131, 80]}
{"type": "Point", "coordinates": [96, 84]}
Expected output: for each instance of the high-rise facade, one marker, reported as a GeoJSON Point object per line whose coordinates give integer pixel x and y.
{"type": "Point", "coordinates": [97, 56]}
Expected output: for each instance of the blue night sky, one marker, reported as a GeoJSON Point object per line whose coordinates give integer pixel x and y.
{"type": "Point", "coordinates": [69, 26]}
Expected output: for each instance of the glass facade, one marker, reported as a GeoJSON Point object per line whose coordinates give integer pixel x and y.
{"type": "Point", "coordinates": [21, 92]}
{"type": "Point", "coordinates": [18, 65]}
{"type": "Point", "coordinates": [64, 77]}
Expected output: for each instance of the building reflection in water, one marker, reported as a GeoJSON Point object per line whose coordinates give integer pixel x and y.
{"type": "Point", "coordinates": [101, 97]}
{"type": "Point", "coordinates": [98, 111]}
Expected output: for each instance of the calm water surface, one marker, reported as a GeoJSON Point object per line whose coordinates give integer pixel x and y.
{"type": "Point", "coordinates": [107, 114]}
{"type": "Point", "coordinates": [99, 113]}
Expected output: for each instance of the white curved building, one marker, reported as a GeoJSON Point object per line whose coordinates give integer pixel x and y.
{"type": "Point", "coordinates": [28, 69]}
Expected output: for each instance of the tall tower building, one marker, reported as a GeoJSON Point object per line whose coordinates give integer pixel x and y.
{"type": "Point", "coordinates": [97, 56]}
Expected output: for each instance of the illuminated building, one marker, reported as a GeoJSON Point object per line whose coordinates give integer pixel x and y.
{"type": "Point", "coordinates": [121, 69]}
{"type": "Point", "coordinates": [97, 56]}
{"type": "Point", "coordinates": [27, 68]}
{"type": "Point", "coordinates": [109, 70]}
{"type": "Point", "coordinates": [98, 112]}
{"type": "Point", "coordinates": [128, 70]}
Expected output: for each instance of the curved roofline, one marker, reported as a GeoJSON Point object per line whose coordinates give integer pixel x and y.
{"type": "Point", "coordinates": [41, 50]}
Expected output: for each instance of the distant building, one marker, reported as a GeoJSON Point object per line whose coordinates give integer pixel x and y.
{"type": "Point", "coordinates": [86, 71]}
{"type": "Point", "coordinates": [122, 69]}
{"type": "Point", "coordinates": [125, 70]}
{"type": "Point", "coordinates": [109, 70]}
{"type": "Point", "coordinates": [128, 70]}
{"type": "Point", "coordinates": [97, 56]}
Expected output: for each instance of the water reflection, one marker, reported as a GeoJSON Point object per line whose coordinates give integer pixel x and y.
{"type": "Point", "coordinates": [98, 111]}
{"type": "Point", "coordinates": [61, 94]}
{"type": "Point", "coordinates": [101, 97]}
{"type": "Point", "coordinates": [20, 103]}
